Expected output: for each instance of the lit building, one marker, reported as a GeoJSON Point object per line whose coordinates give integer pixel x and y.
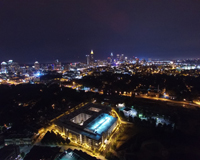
{"type": "Point", "coordinates": [58, 65]}
{"type": "Point", "coordinates": [120, 105]}
{"type": "Point", "coordinates": [87, 59]}
{"type": "Point", "coordinates": [130, 112]}
{"type": "Point", "coordinates": [14, 67]}
{"type": "Point", "coordinates": [90, 125]}
{"type": "Point", "coordinates": [10, 62]}
{"type": "Point", "coordinates": [71, 74]}
{"type": "Point", "coordinates": [137, 61]}
{"type": "Point", "coordinates": [111, 56]}
{"type": "Point", "coordinates": [109, 60]}
{"type": "Point", "coordinates": [91, 57]}
{"type": "Point", "coordinates": [122, 57]}
{"type": "Point", "coordinates": [143, 61]}
{"type": "Point", "coordinates": [67, 67]}
{"type": "Point", "coordinates": [3, 67]}
{"type": "Point", "coordinates": [50, 67]}
{"type": "Point", "coordinates": [37, 65]}
{"type": "Point", "coordinates": [19, 139]}
{"type": "Point", "coordinates": [118, 57]}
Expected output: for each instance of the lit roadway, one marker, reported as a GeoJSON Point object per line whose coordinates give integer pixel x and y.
{"type": "Point", "coordinates": [115, 130]}
{"type": "Point", "coordinates": [119, 119]}
{"type": "Point", "coordinates": [75, 145]}
{"type": "Point", "coordinates": [169, 100]}
{"type": "Point", "coordinates": [82, 147]}
{"type": "Point", "coordinates": [153, 98]}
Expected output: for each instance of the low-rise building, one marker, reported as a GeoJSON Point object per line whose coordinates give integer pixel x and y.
{"type": "Point", "coordinates": [19, 139]}
{"type": "Point", "coordinates": [90, 125]}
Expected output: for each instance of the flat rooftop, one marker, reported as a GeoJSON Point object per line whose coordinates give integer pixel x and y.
{"type": "Point", "coordinates": [94, 125]}
{"type": "Point", "coordinates": [101, 124]}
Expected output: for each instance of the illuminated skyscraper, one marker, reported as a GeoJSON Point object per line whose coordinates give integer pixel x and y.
{"type": "Point", "coordinates": [118, 57]}
{"type": "Point", "coordinates": [37, 65]}
{"type": "Point", "coordinates": [137, 61]}
{"type": "Point", "coordinates": [57, 65]}
{"type": "Point", "coordinates": [10, 62]}
{"type": "Point", "coordinates": [122, 57]}
{"type": "Point", "coordinates": [91, 57]}
{"type": "Point", "coordinates": [88, 59]}
{"type": "Point", "coordinates": [3, 67]}
{"type": "Point", "coordinates": [111, 56]}
{"type": "Point", "coordinates": [109, 60]}
{"type": "Point", "coordinates": [14, 67]}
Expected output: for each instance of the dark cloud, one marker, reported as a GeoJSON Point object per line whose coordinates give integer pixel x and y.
{"type": "Point", "coordinates": [45, 30]}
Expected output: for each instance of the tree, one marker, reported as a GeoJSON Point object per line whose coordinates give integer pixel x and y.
{"type": "Point", "coordinates": [67, 140]}
{"type": "Point", "coordinates": [130, 118]}
{"type": "Point", "coordinates": [22, 154]}
{"type": "Point", "coordinates": [52, 138]}
{"type": "Point", "coordinates": [121, 113]}
{"type": "Point", "coordinates": [110, 156]}
{"type": "Point", "coordinates": [114, 146]}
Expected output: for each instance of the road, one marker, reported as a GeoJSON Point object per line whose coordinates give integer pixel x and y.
{"type": "Point", "coordinates": [183, 103]}
{"type": "Point", "coordinates": [38, 140]}
{"type": "Point", "coordinates": [119, 119]}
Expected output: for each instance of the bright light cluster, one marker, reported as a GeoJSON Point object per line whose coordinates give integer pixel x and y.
{"type": "Point", "coordinates": [101, 123]}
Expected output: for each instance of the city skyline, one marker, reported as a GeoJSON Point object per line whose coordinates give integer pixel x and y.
{"type": "Point", "coordinates": [99, 79]}
{"type": "Point", "coordinates": [46, 31]}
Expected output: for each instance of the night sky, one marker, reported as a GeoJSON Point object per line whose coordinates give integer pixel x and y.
{"type": "Point", "coordinates": [67, 30]}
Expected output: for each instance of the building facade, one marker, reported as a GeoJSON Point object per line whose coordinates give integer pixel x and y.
{"type": "Point", "coordinates": [90, 125]}
{"type": "Point", "coordinates": [37, 65]}
{"type": "Point", "coordinates": [92, 57]}
{"type": "Point", "coordinates": [19, 140]}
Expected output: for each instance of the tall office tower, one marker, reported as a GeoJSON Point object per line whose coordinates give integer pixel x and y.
{"type": "Point", "coordinates": [143, 61]}
{"type": "Point", "coordinates": [37, 65]}
{"type": "Point", "coordinates": [111, 56]}
{"type": "Point", "coordinates": [3, 67]}
{"type": "Point", "coordinates": [14, 67]}
{"type": "Point", "coordinates": [57, 65]}
{"type": "Point", "coordinates": [92, 57]}
{"type": "Point", "coordinates": [9, 64]}
{"type": "Point", "coordinates": [137, 61]}
{"type": "Point", "coordinates": [126, 58]}
{"type": "Point", "coordinates": [122, 57]}
{"type": "Point", "coordinates": [109, 60]}
{"type": "Point", "coordinates": [88, 59]}
{"type": "Point", "coordinates": [67, 67]}
{"type": "Point", "coordinates": [117, 57]}
{"type": "Point", "coordinates": [49, 67]}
